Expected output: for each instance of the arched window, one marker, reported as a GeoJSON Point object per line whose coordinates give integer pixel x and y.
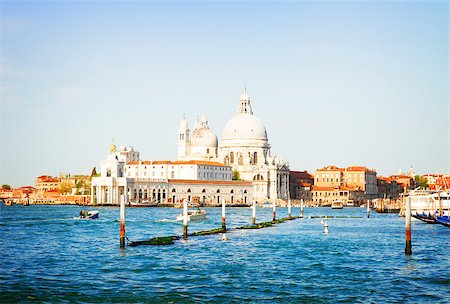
{"type": "Point", "coordinates": [173, 190]}
{"type": "Point", "coordinates": [204, 191]}
{"type": "Point", "coordinates": [255, 158]}
{"type": "Point", "coordinates": [240, 160]}
{"type": "Point", "coordinates": [218, 191]}
{"type": "Point", "coordinates": [258, 177]}
{"type": "Point", "coordinates": [232, 157]}
{"type": "Point", "coordinates": [232, 191]}
{"type": "Point", "coordinates": [189, 190]}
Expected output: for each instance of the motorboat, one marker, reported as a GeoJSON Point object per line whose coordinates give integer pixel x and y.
{"type": "Point", "coordinates": [337, 205]}
{"type": "Point", "coordinates": [193, 215]}
{"type": "Point", "coordinates": [89, 215]}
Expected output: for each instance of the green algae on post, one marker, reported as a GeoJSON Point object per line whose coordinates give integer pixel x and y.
{"type": "Point", "coordinates": [207, 232]}
{"type": "Point", "coordinates": [161, 240]}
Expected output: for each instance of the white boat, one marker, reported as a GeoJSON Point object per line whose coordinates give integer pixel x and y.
{"type": "Point", "coordinates": [142, 204]}
{"type": "Point", "coordinates": [193, 215]}
{"type": "Point", "coordinates": [429, 201]}
{"type": "Point", "coordinates": [337, 205]}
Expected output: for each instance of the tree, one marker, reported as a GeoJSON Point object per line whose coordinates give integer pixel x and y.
{"type": "Point", "coordinates": [65, 187]}
{"type": "Point", "coordinates": [421, 181]}
{"type": "Point", "coordinates": [6, 187]}
{"type": "Point", "coordinates": [236, 175]}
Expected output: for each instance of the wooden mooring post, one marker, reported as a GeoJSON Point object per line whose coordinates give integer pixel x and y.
{"type": "Point", "coordinates": [289, 208]}
{"type": "Point", "coordinates": [368, 209]}
{"type": "Point", "coordinates": [224, 226]}
{"type": "Point", "coordinates": [122, 222]}
{"type": "Point", "coordinates": [408, 250]}
{"type": "Point", "coordinates": [185, 219]}
{"type": "Point", "coordinates": [254, 213]}
{"type": "Point", "coordinates": [301, 208]}
{"type": "Point", "coordinates": [274, 211]}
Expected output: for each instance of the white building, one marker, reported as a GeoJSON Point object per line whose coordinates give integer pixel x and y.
{"type": "Point", "coordinates": [244, 147]}
{"type": "Point", "coordinates": [124, 177]}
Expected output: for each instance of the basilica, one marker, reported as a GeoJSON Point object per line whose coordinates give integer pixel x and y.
{"type": "Point", "coordinates": [244, 146]}
{"type": "Point", "coordinates": [237, 170]}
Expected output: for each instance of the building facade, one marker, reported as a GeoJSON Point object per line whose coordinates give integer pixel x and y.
{"type": "Point", "coordinates": [354, 177]}
{"type": "Point", "coordinates": [127, 178]}
{"type": "Point", "coordinates": [244, 147]}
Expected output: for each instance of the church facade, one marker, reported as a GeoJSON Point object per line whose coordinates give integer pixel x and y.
{"type": "Point", "coordinates": [244, 146]}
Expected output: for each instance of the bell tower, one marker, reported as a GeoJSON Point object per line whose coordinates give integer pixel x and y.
{"type": "Point", "coordinates": [184, 142]}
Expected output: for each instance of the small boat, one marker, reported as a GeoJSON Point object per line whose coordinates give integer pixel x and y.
{"type": "Point", "coordinates": [337, 205]}
{"type": "Point", "coordinates": [427, 218]}
{"type": "Point", "coordinates": [443, 220]}
{"type": "Point", "coordinates": [89, 215]}
{"type": "Point", "coordinates": [193, 215]}
{"type": "Point", "coordinates": [142, 204]}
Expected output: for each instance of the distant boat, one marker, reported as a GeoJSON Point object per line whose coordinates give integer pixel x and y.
{"type": "Point", "coordinates": [193, 215]}
{"type": "Point", "coordinates": [426, 205]}
{"type": "Point", "coordinates": [143, 204]}
{"type": "Point", "coordinates": [337, 205]}
{"type": "Point", "coordinates": [427, 218]}
{"type": "Point", "coordinates": [267, 205]}
{"type": "Point", "coordinates": [89, 215]}
{"type": "Point", "coordinates": [443, 220]}
{"type": "Point", "coordinates": [180, 205]}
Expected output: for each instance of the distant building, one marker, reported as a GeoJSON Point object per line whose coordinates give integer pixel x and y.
{"type": "Point", "coordinates": [19, 193]}
{"type": "Point", "coordinates": [438, 181]}
{"type": "Point", "coordinates": [404, 181]}
{"type": "Point", "coordinates": [357, 177]}
{"type": "Point", "coordinates": [301, 183]}
{"type": "Point", "coordinates": [129, 179]}
{"type": "Point", "coordinates": [388, 188]}
{"type": "Point", "coordinates": [325, 196]}
{"type": "Point", "coordinates": [45, 183]}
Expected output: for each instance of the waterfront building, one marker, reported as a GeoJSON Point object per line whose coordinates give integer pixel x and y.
{"type": "Point", "coordinates": [45, 183]}
{"type": "Point", "coordinates": [354, 177]}
{"type": "Point", "coordinates": [125, 177]}
{"type": "Point", "coordinates": [21, 192]}
{"type": "Point", "coordinates": [326, 195]}
{"type": "Point", "coordinates": [388, 188]}
{"type": "Point", "coordinates": [244, 147]}
{"type": "Point", "coordinates": [301, 183]}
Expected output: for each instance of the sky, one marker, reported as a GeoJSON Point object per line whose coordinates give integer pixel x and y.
{"type": "Point", "coordinates": [335, 82]}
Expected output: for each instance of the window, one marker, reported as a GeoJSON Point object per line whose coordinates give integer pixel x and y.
{"type": "Point", "coordinates": [255, 158]}
{"type": "Point", "coordinates": [231, 157]}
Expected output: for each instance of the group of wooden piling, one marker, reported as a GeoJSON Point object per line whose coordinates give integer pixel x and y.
{"type": "Point", "coordinates": [167, 240]}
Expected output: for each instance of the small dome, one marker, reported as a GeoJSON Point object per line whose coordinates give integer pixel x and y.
{"type": "Point", "coordinates": [204, 137]}
{"type": "Point", "coordinates": [112, 148]}
{"type": "Point", "coordinates": [244, 126]}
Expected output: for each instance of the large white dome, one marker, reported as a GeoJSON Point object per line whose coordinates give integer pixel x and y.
{"type": "Point", "coordinates": [204, 137]}
{"type": "Point", "coordinates": [244, 126]}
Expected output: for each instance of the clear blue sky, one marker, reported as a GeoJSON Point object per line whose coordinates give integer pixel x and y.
{"type": "Point", "coordinates": [342, 83]}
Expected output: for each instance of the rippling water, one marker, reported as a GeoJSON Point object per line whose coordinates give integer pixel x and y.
{"type": "Point", "coordinates": [48, 255]}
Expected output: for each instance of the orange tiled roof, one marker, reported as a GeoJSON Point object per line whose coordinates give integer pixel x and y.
{"type": "Point", "coordinates": [330, 168]}
{"type": "Point", "coordinates": [210, 182]}
{"type": "Point", "coordinates": [179, 162]}
{"type": "Point", "coordinates": [359, 168]}
{"type": "Point", "coordinates": [301, 174]}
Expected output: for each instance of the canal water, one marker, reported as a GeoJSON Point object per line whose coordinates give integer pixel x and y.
{"type": "Point", "coordinates": [48, 255]}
